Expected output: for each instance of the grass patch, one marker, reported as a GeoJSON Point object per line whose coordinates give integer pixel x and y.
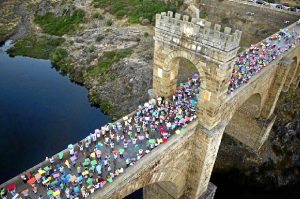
{"type": "Point", "coordinates": [106, 107]}
{"type": "Point", "coordinates": [135, 9]}
{"type": "Point", "coordinates": [97, 15]}
{"type": "Point", "coordinates": [37, 47]}
{"type": "Point", "coordinates": [60, 59]}
{"type": "Point", "coordinates": [203, 14]}
{"type": "Point", "coordinates": [106, 60]}
{"type": "Point", "coordinates": [225, 21]}
{"type": "Point", "coordinates": [60, 25]}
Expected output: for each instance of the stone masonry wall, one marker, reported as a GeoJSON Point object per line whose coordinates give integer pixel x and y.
{"type": "Point", "coordinates": [168, 163]}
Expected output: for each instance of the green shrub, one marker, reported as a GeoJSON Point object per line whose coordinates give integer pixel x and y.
{"type": "Point", "coordinates": [104, 63]}
{"type": "Point", "coordinates": [60, 25]}
{"type": "Point", "coordinates": [109, 22]}
{"type": "Point", "coordinates": [203, 14]}
{"type": "Point", "coordinates": [58, 54]}
{"type": "Point", "coordinates": [97, 15]}
{"type": "Point", "coordinates": [225, 21]}
{"type": "Point", "coordinates": [135, 9]}
{"type": "Point", "coordinates": [60, 59]}
{"type": "Point", "coordinates": [146, 34]}
{"type": "Point", "coordinates": [38, 47]}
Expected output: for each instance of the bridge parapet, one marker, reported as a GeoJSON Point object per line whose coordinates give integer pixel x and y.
{"type": "Point", "coordinates": [199, 30]}
{"type": "Point", "coordinates": [241, 74]}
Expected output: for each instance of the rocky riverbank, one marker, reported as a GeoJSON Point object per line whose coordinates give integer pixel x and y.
{"type": "Point", "coordinates": [15, 18]}
{"type": "Point", "coordinates": [118, 87]}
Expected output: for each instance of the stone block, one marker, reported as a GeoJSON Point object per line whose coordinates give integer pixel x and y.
{"type": "Point", "coordinates": [170, 14]}
{"type": "Point", "coordinates": [186, 18]}
{"type": "Point", "coordinates": [177, 16]}
{"type": "Point", "coordinates": [227, 30]}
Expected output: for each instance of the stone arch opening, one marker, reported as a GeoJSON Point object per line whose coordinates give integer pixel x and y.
{"type": "Point", "coordinates": [165, 71]}
{"type": "Point", "coordinates": [243, 124]}
{"type": "Point", "coordinates": [163, 189]}
{"type": "Point", "coordinates": [183, 65]}
{"type": "Point", "coordinates": [186, 69]}
{"type": "Point", "coordinates": [166, 181]}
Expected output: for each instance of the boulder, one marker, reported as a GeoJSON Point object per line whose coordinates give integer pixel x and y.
{"type": "Point", "coordinates": [145, 22]}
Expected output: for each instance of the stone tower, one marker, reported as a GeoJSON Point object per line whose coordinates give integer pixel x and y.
{"type": "Point", "coordinates": [209, 48]}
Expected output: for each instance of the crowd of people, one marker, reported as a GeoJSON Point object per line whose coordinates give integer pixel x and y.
{"type": "Point", "coordinates": [109, 150]}
{"type": "Point", "coordinates": [253, 59]}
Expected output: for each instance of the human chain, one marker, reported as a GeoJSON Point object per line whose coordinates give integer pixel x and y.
{"type": "Point", "coordinates": [108, 151]}
{"type": "Point", "coordinates": [258, 56]}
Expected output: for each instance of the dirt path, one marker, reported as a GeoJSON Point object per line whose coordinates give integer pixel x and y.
{"type": "Point", "coordinates": [24, 27]}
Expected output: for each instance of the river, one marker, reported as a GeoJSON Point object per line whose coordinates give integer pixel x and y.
{"type": "Point", "coordinates": [41, 112]}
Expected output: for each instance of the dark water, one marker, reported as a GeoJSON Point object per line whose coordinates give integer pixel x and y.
{"type": "Point", "coordinates": [41, 112]}
{"type": "Point", "coordinates": [229, 186]}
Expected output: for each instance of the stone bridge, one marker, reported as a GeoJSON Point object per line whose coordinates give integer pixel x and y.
{"type": "Point", "coordinates": [181, 167]}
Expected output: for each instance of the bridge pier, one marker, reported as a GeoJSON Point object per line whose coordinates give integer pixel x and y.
{"type": "Point", "coordinates": [266, 127]}
{"type": "Point", "coordinates": [157, 190]}
{"type": "Point", "coordinates": [205, 146]}
{"type": "Point", "coordinates": [276, 87]}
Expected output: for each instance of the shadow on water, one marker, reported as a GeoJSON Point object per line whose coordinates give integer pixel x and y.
{"type": "Point", "coordinates": [2, 44]}
{"type": "Point", "coordinates": [54, 66]}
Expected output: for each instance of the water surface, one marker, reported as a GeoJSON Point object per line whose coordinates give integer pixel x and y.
{"type": "Point", "coordinates": [41, 112]}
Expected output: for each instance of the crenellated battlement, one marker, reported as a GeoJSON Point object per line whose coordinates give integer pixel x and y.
{"type": "Point", "coordinates": [200, 30]}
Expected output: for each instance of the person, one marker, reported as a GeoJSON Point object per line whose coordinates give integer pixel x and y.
{"type": "Point", "coordinates": [34, 189]}
{"type": "Point", "coordinates": [94, 137]}
{"type": "Point", "coordinates": [125, 143]}
{"type": "Point", "coordinates": [115, 156]}
{"type": "Point", "coordinates": [71, 150]}
{"type": "Point", "coordinates": [109, 168]}
{"type": "Point", "coordinates": [87, 145]}
{"type": "Point", "coordinates": [24, 178]}
{"type": "Point", "coordinates": [51, 160]}
{"type": "Point", "coordinates": [121, 154]}
{"type": "Point", "coordinates": [127, 162]}
{"type": "Point", "coordinates": [25, 193]}
{"type": "Point", "coordinates": [151, 121]}
{"type": "Point", "coordinates": [68, 164]}
{"type": "Point", "coordinates": [112, 145]}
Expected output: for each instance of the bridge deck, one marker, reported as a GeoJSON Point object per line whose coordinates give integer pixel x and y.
{"type": "Point", "coordinates": [251, 61]}
{"type": "Point", "coordinates": [149, 126]}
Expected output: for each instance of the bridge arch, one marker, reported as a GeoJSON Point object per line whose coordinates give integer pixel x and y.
{"type": "Point", "coordinates": [296, 80]}
{"type": "Point", "coordinates": [242, 122]}
{"type": "Point", "coordinates": [171, 63]}
{"type": "Point", "coordinates": [250, 105]}
{"type": "Point", "coordinates": [292, 75]}
{"type": "Point", "coordinates": [167, 181]}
